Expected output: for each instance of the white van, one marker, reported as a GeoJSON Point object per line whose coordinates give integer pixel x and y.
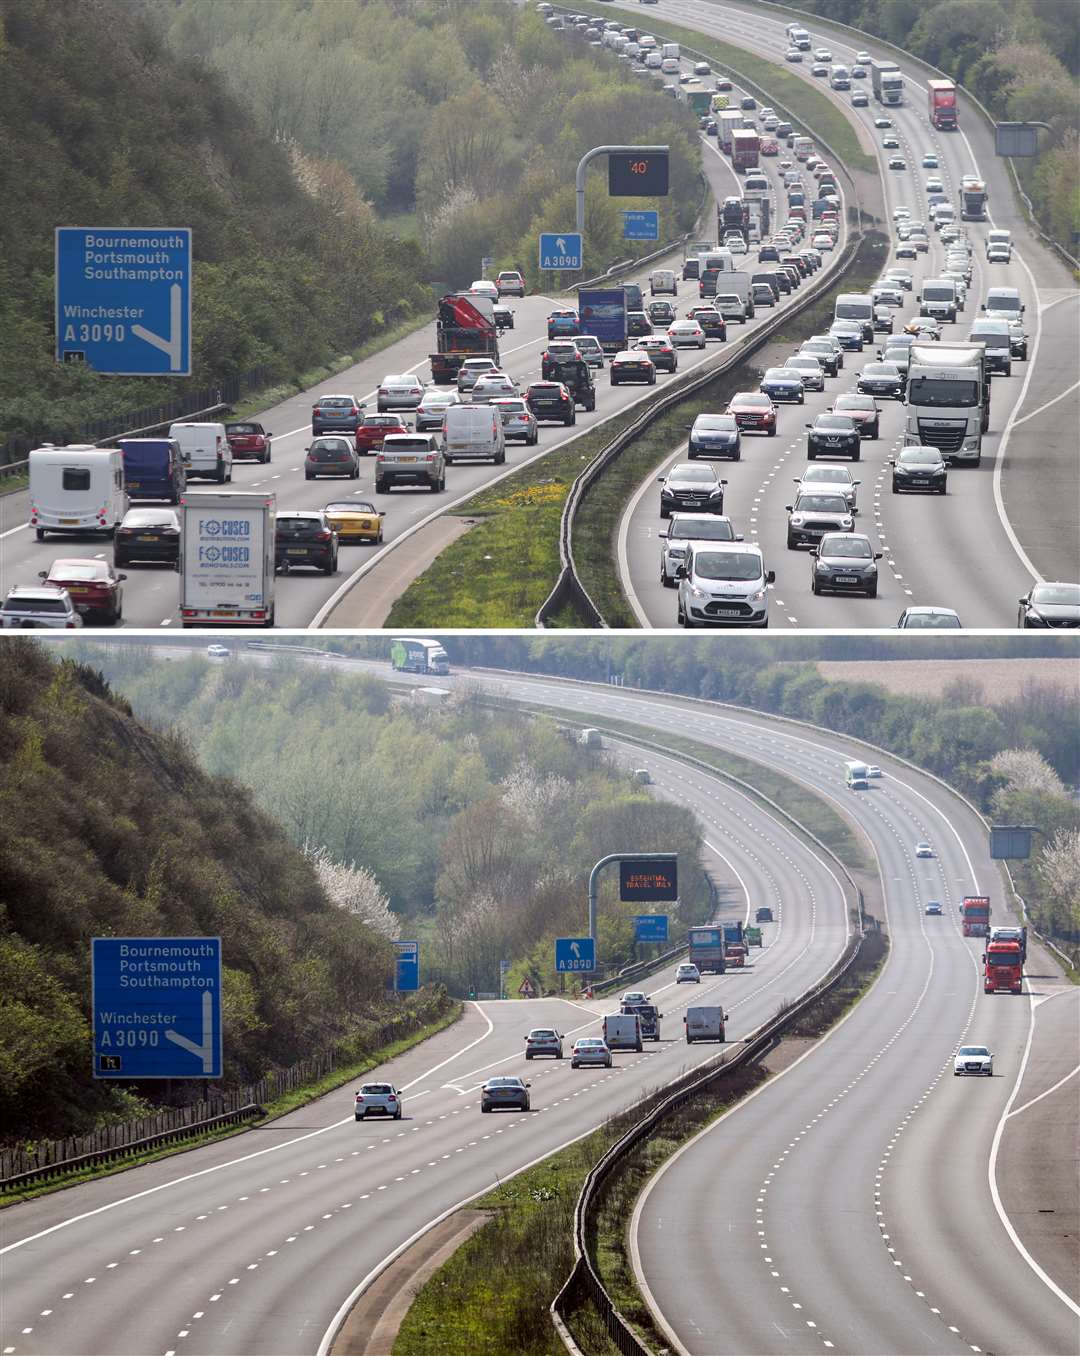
{"type": "Point", "coordinates": [205, 450]}
{"type": "Point", "coordinates": [859, 307]}
{"type": "Point", "coordinates": [704, 1024]}
{"type": "Point", "coordinates": [76, 489]}
{"type": "Point", "coordinates": [999, 237]}
{"type": "Point", "coordinates": [670, 65]}
{"type": "Point", "coordinates": [663, 280]}
{"type": "Point", "coordinates": [473, 433]}
{"type": "Point", "coordinates": [589, 738]}
{"type": "Point", "coordinates": [622, 1031]}
{"type": "Point", "coordinates": [653, 60]}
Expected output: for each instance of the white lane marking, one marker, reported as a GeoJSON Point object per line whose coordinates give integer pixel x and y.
{"type": "Point", "coordinates": [1027, 1105]}
{"type": "Point", "coordinates": [1025, 417]}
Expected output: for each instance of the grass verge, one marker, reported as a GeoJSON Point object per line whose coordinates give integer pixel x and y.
{"type": "Point", "coordinates": [18, 480]}
{"type": "Point", "coordinates": [818, 115]}
{"type": "Point", "coordinates": [279, 1107]}
{"type": "Point", "coordinates": [492, 1295]}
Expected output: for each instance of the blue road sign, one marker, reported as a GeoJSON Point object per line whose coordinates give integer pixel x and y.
{"type": "Point", "coordinates": [157, 1007]}
{"type": "Point", "coordinates": [123, 299]}
{"type": "Point", "coordinates": [560, 250]}
{"type": "Point", "coordinates": [408, 966]}
{"type": "Point", "coordinates": [575, 953]}
{"type": "Point", "coordinates": [641, 226]}
{"type": "Point", "coordinates": [650, 927]}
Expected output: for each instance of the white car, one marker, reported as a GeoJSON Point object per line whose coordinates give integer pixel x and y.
{"type": "Point", "coordinates": [589, 1050]}
{"type": "Point", "coordinates": [402, 391]}
{"type": "Point", "coordinates": [974, 1059]}
{"type": "Point", "coordinates": [217, 651]}
{"type": "Point", "coordinates": [634, 996]}
{"type": "Point", "coordinates": [873, 770]}
{"type": "Point", "coordinates": [686, 334]}
{"type": "Point", "coordinates": [827, 477]}
{"type": "Point", "coordinates": [688, 973]}
{"type": "Point", "coordinates": [822, 241]}
{"type": "Point", "coordinates": [485, 288]}
{"type": "Point", "coordinates": [39, 606]}
{"type": "Point", "coordinates": [934, 185]}
{"type": "Point", "coordinates": [923, 850]}
{"type": "Point", "coordinates": [808, 367]}
{"type": "Point", "coordinates": [543, 1040]}
{"type": "Point", "coordinates": [379, 1099]}
{"type": "Point", "coordinates": [590, 350]}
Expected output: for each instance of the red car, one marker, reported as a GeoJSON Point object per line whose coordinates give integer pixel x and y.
{"type": "Point", "coordinates": [373, 428]}
{"type": "Point", "coordinates": [248, 440]}
{"type": "Point", "coordinates": [753, 410]}
{"type": "Point", "coordinates": [863, 409]}
{"type": "Point", "coordinates": [94, 586]}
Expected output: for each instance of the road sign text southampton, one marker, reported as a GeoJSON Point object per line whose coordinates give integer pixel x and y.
{"type": "Point", "coordinates": [123, 299]}
{"type": "Point", "coordinates": [648, 882]}
{"type": "Point", "coordinates": [638, 174]}
{"type": "Point", "coordinates": [560, 250]}
{"type": "Point", "coordinates": [157, 1007]}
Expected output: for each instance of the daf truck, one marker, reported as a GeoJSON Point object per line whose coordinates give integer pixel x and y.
{"type": "Point", "coordinates": [1003, 966]}
{"type": "Point", "coordinates": [941, 105]}
{"type": "Point", "coordinates": [948, 400]}
{"type": "Point", "coordinates": [975, 915]}
{"type": "Point", "coordinates": [408, 655]}
{"type": "Point", "coordinates": [887, 82]}
{"type": "Point", "coordinates": [227, 558]}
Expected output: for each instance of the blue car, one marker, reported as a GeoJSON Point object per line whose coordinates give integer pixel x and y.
{"type": "Point", "coordinates": [561, 324]}
{"type": "Point", "coordinates": [783, 383]}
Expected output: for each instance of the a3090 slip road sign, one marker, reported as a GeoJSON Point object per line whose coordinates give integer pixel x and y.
{"type": "Point", "coordinates": [649, 881]}
{"type": "Point", "coordinates": [157, 1007]}
{"type": "Point", "coordinates": [123, 299]}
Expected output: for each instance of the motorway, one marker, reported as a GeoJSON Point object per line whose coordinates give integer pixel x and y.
{"type": "Point", "coordinates": [887, 1142]}
{"type": "Point", "coordinates": [1002, 526]}
{"type": "Point", "coordinates": [255, 1244]}
{"type": "Point", "coordinates": [370, 578]}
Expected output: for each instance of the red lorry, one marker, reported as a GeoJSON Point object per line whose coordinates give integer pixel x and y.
{"type": "Point", "coordinates": [942, 104]}
{"type": "Point", "coordinates": [464, 328]}
{"type": "Point", "coordinates": [1003, 967]}
{"type": "Point", "coordinates": [745, 147]}
{"type": "Point", "coordinates": [975, 912]}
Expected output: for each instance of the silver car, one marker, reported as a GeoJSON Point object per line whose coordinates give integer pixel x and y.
{"type": "Point", "coordinates": [518, 420]}
{"type": "Point", "coordinates": [39, 607]}
{"type": "Point", "coordinates": [493, 386]}
{"type": "Point", "coordinates": [590, 350]}
{"type": "Point", "coordinates": [378, 1099]}
{"type": "Point", "coordinates": [688, 529]}
{"type": "Point", "coordinates": [403, 392]}
{"type": "Point", "coordinates": [471, 370]}
{"type": "Point", "coordinates": [430, 411]}
{"type": "Point", "coordinates": [543, 1040]}
{"type": "Point", "coordinates": [410, 459]}
{"type": "Point", "coordinates": [590, 1050]}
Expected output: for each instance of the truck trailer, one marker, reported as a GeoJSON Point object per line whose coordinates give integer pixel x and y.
{"type": "Point", "coordinates": [227, 558]}
{"type": "Point", "coordinates": [745, 149]}
{"type": "Point", "coordinates": [941, 101]}
{"type": "Point", "coordinates": [408, 655]}
{"type": "Point", "coordinates": [887, 82]}
{"type": "Point", "coordinates": [602, 313]}
{"type": "Point", "coordinates": [707, 948]}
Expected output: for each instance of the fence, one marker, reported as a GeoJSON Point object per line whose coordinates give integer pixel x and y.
{"type": "Point", "coordinates": [143, 420]}
{"type": "Point", "coordinates": [49, 1158]}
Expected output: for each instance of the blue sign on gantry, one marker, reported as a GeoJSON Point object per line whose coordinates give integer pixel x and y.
{"type": "Point", "coordinates": [157, 1007]}
{"type": "Point", "coordinates": [123, 299]}
{"type": "Point", "coordinates": [650, 927]}
{"type": "Point", "coordinates": [641, 225]}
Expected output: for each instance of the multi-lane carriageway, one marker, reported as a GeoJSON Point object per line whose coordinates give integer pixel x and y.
{"type": "Point", "coordinates": [257, 1245]}
{"type": "Point", "coordinates": [416, 528]}
{"type": "Point", "coordinates": [997, 530]}
{"type": "Point", "coordinates": [978, 549]}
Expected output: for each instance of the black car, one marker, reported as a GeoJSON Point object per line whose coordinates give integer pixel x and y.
{"type": "Point", "coordinates": [305, 537]}
{"type": "Point", "coordinates": [691, 489]}
{"type": "Point", "coordinates": [763, 915]}
{"type": "Point", "coordinates": [332, 456]}
{"type": "Point", "coordinates": [833, 435]}
{"type": "Point", "coordinates": [813, 515]}
{"type": "Point", "coordinates": [147, 534]}
{"type": "Point", "coordinates": [919, 468]}
{"type": "Point", "coordinates": [845, 562]}
{"type": "Point", "coordinates": [637, 324]}
{"type": "Point", "coordinates": [660, 312]}
{"type": "Point", "coordinates": [881, 379]}
{"type": "Point", "coordinates": [748, 101]}
{"type": "Point", "coordinates": [550, 400]}
{"type": "Point", "coordinates": [715, 435]}
{"type": "Point", "coordinates": [712, 322]}
{"type": "Point", "coordinates": [508, 1092]}
{"type": "Point", "coordinates": [1050, 607]}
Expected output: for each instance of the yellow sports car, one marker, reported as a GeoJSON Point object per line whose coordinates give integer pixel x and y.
{"type": "Point", "coordinates": [355, 520]}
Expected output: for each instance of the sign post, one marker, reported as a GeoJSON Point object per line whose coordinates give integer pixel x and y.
{"type": "Point", "coordinates": [641, 225]}
{"type": "Point", "coordinates": [644, 877]}
{"type": "Point", "coordinates": [157, 1007]}
{"type": "Point", "coordinates": [574, 955]}
{"type": "Point", "coordinates": [407, 967]}
{"type": "Point", "coordinates": [1011, 842]}
{"type": "Point", "coordinates": [123, 299]}
{"type": "Point", "coordinates": [560, 251]}
{"type": "Point", "coordinates": [651, 927]}
{"type": "Point", "coordinates": [633, 172]}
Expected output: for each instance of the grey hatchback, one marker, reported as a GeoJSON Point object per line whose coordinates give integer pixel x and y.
{"type": "Point", "coordinates": [332, 456]}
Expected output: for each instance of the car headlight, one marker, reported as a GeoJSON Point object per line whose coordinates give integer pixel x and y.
{"type": "Point", "coordinates": [695, 592]}
{"type": "Point", "coordinates": [971, 444]}
{"type": "Point", "coordinates": [823, 566]}
{"type": "Point", "coordinates": [797, 520]}
{"type": "Point", "coordinates": [758, 597]}
{"type": "Point", "coordinates": [848, 523]}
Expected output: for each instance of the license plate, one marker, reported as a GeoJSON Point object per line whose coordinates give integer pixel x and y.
{"type": "Point", "coordinates": [146, 538]}
{"type": "Point", "coordinates": [727, 612]}
{"type": "Point", "coordinates": [846, 579]}
{"type": "Point", "coordinates": [69, 522]}
{"type": "Point", "coordinates": [296, 550]}
{"type": "Point", "coordinates": [920, 481]}
{"type": "Point", "coordinates": [406, 458]}
{"type": "Point", "coordinates": [134, 484]}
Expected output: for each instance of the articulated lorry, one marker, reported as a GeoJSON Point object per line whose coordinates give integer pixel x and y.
{"type": "Point", "coordinates": [887, 82]}
{"type": "Point", "coordinates": [409, 655]}
{"type": "Point", "coordinates": [1003, 966]}
{"type": "Point", "coordinates": [973, 198]}
{"type": "Point", "coordinates": [707, 948]}
{"type": "Point", "coordinates": [602, 313]}
{"type": "Point", "coordinates": [226, 564]}
{"type": "Point", "coordinates": [735, 948]}
{"type": "Point", "coordinates": [464, 328]}
{"type": "Point", "coordinates": [727, 123]}
{"type": "Point", "coordinates": [745, 149]}
{"type": "Point", "coordinates": [941, 101]}
{"type": "Point", "coordinates": [975, 913]}
{"type": "Point", "coordinates": [1010, 934]}
{"type": "Point", "coordinates": [948, 399]}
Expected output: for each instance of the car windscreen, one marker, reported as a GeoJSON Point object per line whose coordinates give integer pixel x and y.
{"type": "Point", "coordinates": [879, 370]}
{"type": "Point", "coordinates": [703, 474]}
{"type": "Point", "coordinates": [376, 1089]}
{"type": "Point", "coordinates": [821, 503]}
{"type": "Point", "coordinates": [727, 565]}
{"type": "Point", "coordinates": [241, 428]}
{"type": "Point", "coordinates": [855, 402]}
{"type": "Point", "coordinates": [716, 529]}
{"type": "Point", "coordinates": [852, 310]}
{"type": "Point", "coordinates": [381, 421]}
{"type": "Point", "coordinates": [1062, 594]}
{"type": "Point", "coordinates": [336, 403]}
{"type": "Point", "coordinates": [920, 456]}
{"type": "Point", "coordinates": [715, 423]}
{"type": "Point", "coordinates": [839, 423]}
{"type": "Point", "coordinates": [150, 518]}
{"type": "Point", "coordinates": [76, 570]}
{"type": "Point", "coordinates": [932, 621]}
{"type": "Point", "coordinates": [336, 451]}
{"type": "Point", "coordinates": [849, 548]}
{"type": "Point", "coordinates": [407, 445]}
{"type": "Point", "coordinates": [935, 391]}
{"type": "Point", "coordinates": [34, 605]}
{"type": "Point", "coordinates": [298, 528]}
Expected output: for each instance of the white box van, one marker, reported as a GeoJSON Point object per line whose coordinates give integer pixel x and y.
{"type": "Point", "coordinates": [590, 738]}
{"type": "Point", "coordinates": [76, 489]}
{"type": "Point", "coordinates": [859, 307]}
{"type": "Point", "coordinates": [704, 1024]}
{"type": "Point", "coordinates": [670, 50]}
{"type": "Point", "coordinates": [663, 280]}
{"type": "Point", "coordinates": [653, 60]}
{"type": "Point", "coordinates": [205, 450]}
{"type": "Point", "coordinates": [473, 433]}
{"type": "Point", "coordinates": [622, 1031]}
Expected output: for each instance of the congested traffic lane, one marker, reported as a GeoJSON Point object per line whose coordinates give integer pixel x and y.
{"type": "Point", "coordinates": [1008, 529]}
{"type": "Point", "coordinates": [239, 1247]}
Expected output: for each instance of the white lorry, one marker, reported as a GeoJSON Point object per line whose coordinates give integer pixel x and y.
{"type": "Point", "coordinates": [622, 1031]}
{"type": "Point", "coordinates": [227, 558]}
{"type": "Point", "coordinates": [948, 400]}
{"type": "Point", "coordinates": [704, 1024]}
{"type": "Point", "coordinates": [76, 489]}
